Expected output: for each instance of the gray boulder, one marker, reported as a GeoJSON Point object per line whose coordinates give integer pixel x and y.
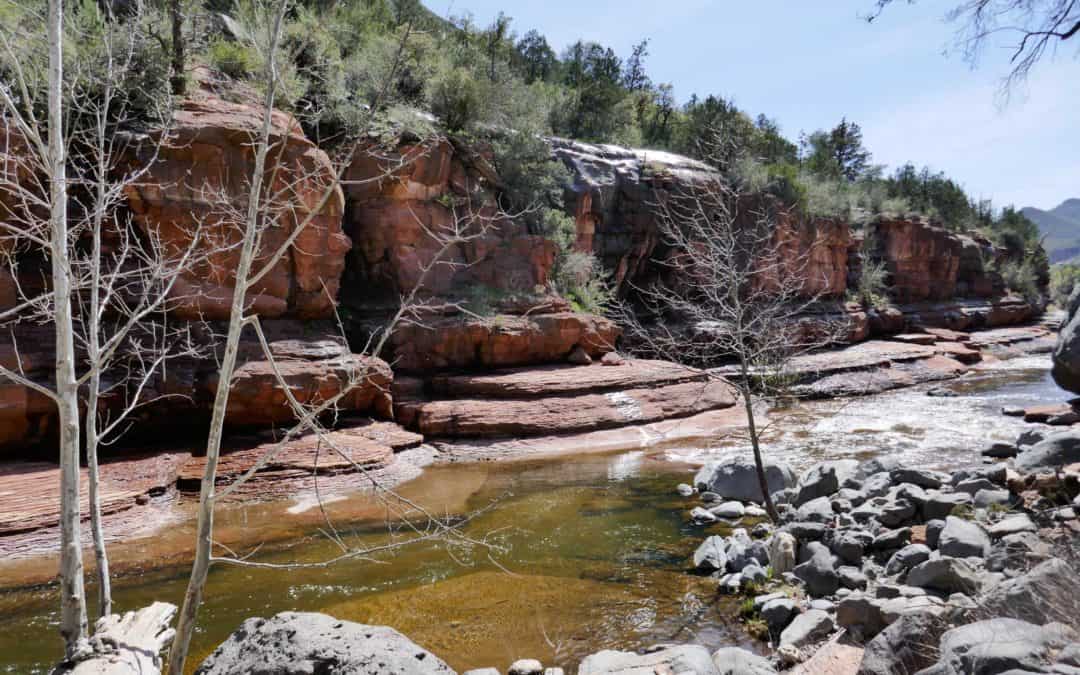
{"type": "Point", "coordinates": [737, 661]}
{"type": "Point", "coordinates": [904, 647]}
{"type": "Point", "coordinates": [907, 557]}
{"type": "Point", "coordinates": [891, 539]}
{"type": "Point", "coordinates": [1066, 356]}
{"type": "Point", "coordinates": [1021, 522]}
{"type": "Point", "coordinates": [949, 575]}
{"type": "Point", "coordinates": [1055, 450]}
{"type": "Point", "coordinates": [690, 659]}
{"type": "Point", "coordinates": [851, 545]}
{"type": "Point", "coordinates": [937, 505]}
{"type": "Point", "coordinates": [963, 539]}
{"type": "Point", "coordinates": [897, 512]}
{"type": "Point", "coordinates": [860, 615]}
{"type": "Point", "coordinates": [933, 532]}
{"type": "Point", "coordinates": [818, 573]}
{"type": "Point", "coordinates": [999, 646]}
{"type": "Point", "coordinates": [1030, 437]}
{"type": "Point", "coordinates": [778, 613]}
{"type": "Point", "coordinates": [817, 510]}
{"type": "Point", "coordinates": [1044, 594]}
{"type": "Point", "coordinates": [301, 643]}
{"type": "Point", "coordinates": [923, 478]}
{"type": "Point", "coordinates": [711, 555]}
{"type": "Point", "coordinates": [986, 498]}
{"type": "Point", "coordinates": [808, 628]}
{"type": "Point", "coordinates": [729, 510]}
{"type": "Point", "coordinates": [877, 465]}
{"type": "Point", "coordinates": [737, 479]}
{"type": "Point", "coordinates": [824, 479]}
{"type": "Point", "coordinates": [1001, 450]}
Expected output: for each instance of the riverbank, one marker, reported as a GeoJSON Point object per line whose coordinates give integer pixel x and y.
{"type": "Point", "coordinates": [597, 543]}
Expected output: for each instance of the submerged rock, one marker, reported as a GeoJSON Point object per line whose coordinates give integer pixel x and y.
{"type": "Point", "coordinates": [296, 643]}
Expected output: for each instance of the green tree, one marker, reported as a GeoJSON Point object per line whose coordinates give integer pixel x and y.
{"type": "Point", "coordinates": [838, 153]}
{"type": "Point", "coordinates": [534, 58]}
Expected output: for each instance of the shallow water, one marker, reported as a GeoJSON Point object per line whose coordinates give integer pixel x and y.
{"type": "Point", "coordinates": [576, 554]}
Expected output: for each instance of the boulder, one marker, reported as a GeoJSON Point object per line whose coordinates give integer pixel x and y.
{"type": "Point", "coordinates": [949, 575]}
{"type": "Point", "coordinates": [819, 510]}
{"type": "Point", "coordinates": [1001, 450]}
{"type": "Point", "coordinates": [860, 615]}
{"type": "Point", "coordinates": [807, 628]}
{"type": "Point", "coordinates": [923, 478]}
{"type": "Point", "coordinates": [938, 505]}
{"type": "Point", "coordinates": [689, 659]}
{"type": "Point", "coordinates": [999, 646]}
{"type": "Point", "coordinates": [737, 661]}
{"type": "Point", "coordinates": [526, 667]}
{"type": "Point", "coordinates": [1055, 450]}
{"type": "Point", "coordinates": [1066, 356]}
{"type": "Point", "coordinates": [1013, 525]}
{"type": "Point", "coordinates": [778, 613]}
{"type": "Point", "coordinates": [1044, 594]}
{"type": "Point", "coordinates": [824, 479]}
{"type": "Point", "coordinates": [891, 539]}
{"type": "Point", "coordinates": [782, 548]}
{"type": "Point", "coordinates": [907, 645]}
{"type": "Point", "coordinates": [711, 555]}
{"type": "Point", "coordinates": [852, 544]}
{"type": "Point", "coordinates": [818, 573]}
{"type": "Point", "coordinates": [315, 363]}
{"type": "Point", "coordinates": [728, 510]}
{"type": "Point", "coordinates": [963, 539]}
{"type": "Point", "coordinates": [294, 643]}
{"type": "Point", "coordinates": [737, 479]}
{"type": "Point", "coordinates": [906, 558]}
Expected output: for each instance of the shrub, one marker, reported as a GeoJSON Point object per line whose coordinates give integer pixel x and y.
{"type": "Point", "coordinates": [1063, 279]}
{"type": "Point", "coordinates": [580, 278]}
{"type": "Point", "coordinates": [1020, 277]}
{"type": "Point", "coordinates": [237, 60]}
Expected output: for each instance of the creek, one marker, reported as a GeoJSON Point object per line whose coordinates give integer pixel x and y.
{"type": "Point", "coordinates": [580, 553]}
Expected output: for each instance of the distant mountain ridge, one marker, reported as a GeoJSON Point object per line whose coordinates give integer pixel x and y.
{"type": "Point", "coordinates": [1060, 227]}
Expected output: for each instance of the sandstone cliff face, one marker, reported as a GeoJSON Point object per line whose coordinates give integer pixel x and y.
{"type": "Point", "coordinates": [399, 201]}
{"type": "Point", "coordinates": [197, 185]}
{"type": "Point", "coordinates": [612, 198]}
{"type": "Point", "coordinates": [922, 260]}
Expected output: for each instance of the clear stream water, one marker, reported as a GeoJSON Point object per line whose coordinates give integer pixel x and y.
{"type": "Point", "coordinates": [592, 549]}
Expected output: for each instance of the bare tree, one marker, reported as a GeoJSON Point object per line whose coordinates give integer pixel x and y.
{"type": "Point", "coordinates": [735, 284]}
{"type": "Point", "coordinates": [1038, 27]}
{"type": "Point", "coordinates": [111, 286]}
{"type": "Point", "coordinates": [46, 143]}
{"type": "Point", "coordinates": [270, 203]}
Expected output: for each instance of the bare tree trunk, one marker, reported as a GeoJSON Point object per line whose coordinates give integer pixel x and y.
{"type": "Point", "coordinates": [759, 463]}
{"type": "Point", "coordinates": [92, 438]}
{"type": "Point", "coordinates": [178, 79]}
{"type": "Point", "coordinates": [73, 623]}
{"type": "Point", "coordinates": [185, 626]}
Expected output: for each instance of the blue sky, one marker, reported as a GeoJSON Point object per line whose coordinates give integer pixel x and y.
{"type": "Point", "coordinates": [807, 64]}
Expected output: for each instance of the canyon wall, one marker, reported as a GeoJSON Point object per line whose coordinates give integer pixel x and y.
{"type": "Point", "coordinates": [364, 247]}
